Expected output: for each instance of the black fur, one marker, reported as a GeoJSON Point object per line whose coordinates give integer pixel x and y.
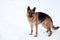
{"type": "Point", "coordinates": [30, 15]}
{"type": "Point", "coordinates": [28, 8]}
{"type": "Point", "coordinates": [42, 16]}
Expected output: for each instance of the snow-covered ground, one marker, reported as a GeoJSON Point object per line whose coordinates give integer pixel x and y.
{"type": "Point", "coordinates": [14, 24]}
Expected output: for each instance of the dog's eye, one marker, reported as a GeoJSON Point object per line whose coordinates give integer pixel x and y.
{"type": "Point", "coordinates": [29, 12]}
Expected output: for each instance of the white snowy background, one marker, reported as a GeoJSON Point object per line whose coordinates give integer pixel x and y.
{"type": "Point", "coordinates": [14, 24]}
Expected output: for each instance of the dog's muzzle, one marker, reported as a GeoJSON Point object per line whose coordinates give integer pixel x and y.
{"type": "Point", "coordinates": [30, 15]}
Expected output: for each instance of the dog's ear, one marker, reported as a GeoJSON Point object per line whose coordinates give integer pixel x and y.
{"type": "Point", "coordinates": [34, 9]}
{"type": "Point", "coordinates": [28, 8]}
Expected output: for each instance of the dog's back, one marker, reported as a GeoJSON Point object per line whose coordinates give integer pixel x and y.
{"type": "Point", "coordinates": [42, 16]}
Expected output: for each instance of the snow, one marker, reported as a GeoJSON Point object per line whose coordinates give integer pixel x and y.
{"type": "Point", "coordinates": [14, 24]}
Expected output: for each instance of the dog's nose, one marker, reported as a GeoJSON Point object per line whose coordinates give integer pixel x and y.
{"type": "Point", "coordinates": [30, 15]}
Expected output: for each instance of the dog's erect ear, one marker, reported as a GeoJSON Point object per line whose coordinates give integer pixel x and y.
{"type": "Point", "coordinates": [28, 8]}
{"type": "Point", "coordinates": [34, 9]}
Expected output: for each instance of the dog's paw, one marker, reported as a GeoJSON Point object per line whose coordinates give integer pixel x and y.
{"type": "Point", "coordinates": [35, 35]}
{"type": "Point", "coordinates": [30, 33]}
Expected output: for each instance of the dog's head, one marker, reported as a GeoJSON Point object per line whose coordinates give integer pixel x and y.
{"type": "Point", "coordinates": [30, 12]}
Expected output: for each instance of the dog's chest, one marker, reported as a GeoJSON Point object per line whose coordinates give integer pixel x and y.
{"type": "Point", "coordinates": [33, 23]}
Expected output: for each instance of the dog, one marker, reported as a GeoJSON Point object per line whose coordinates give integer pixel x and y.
{"type": "Point", "coordinates": [36, 18]}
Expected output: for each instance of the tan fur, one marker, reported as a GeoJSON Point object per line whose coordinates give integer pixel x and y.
{"type": "Point", "coordinates": [47, 23]}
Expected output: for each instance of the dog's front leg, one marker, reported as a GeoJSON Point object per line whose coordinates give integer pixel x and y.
{"type": "Point", "coordinates": [31, 30]}
{"type": "Point", "coordinates": [36, 29]}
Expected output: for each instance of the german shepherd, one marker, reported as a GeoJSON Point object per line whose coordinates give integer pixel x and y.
{"type": "Point", "coordinates": [36, 18]}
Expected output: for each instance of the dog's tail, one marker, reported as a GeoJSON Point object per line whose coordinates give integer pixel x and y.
{"type": "Point", "coordinates": [55, 28]}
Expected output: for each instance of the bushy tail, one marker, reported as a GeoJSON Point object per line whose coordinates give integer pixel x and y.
{"type": "Point", "coordinates": [55, 28]}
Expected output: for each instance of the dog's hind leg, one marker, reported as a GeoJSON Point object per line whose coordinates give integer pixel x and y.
{"type": "Point", "coordinates": [48, 24]}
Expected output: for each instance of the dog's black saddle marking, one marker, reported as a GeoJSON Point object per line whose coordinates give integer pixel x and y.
{"type": "Point", "coordinates": [42, 16]}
